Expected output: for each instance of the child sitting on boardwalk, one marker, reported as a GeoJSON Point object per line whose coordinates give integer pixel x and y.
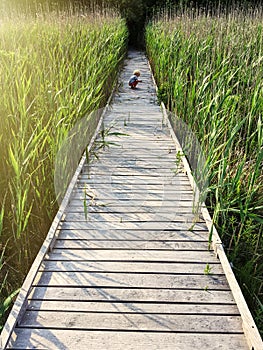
{"type": "Point", "coordinates": [134, 79]}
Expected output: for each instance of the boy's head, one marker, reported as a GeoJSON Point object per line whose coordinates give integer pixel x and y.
{"type": "Point", "coordinates": [137, 73]}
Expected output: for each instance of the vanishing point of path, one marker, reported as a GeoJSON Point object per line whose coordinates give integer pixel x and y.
{"type": "Point", "coordinates": [129, 272]}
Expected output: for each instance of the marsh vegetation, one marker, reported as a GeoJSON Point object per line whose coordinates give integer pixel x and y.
{"type": "Point", "coordinates": [209, 72]}
{"type": "Point", "coordinates": [55, 68]}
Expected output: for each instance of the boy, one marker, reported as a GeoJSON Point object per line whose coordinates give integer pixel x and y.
{"type": "Point", "coordinates": [134, 79]}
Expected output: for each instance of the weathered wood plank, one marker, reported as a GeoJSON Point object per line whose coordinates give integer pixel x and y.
{"type": "Point", "coordinates": [181, 188]}
{"type": "Point", "coordinates": [129, 218]}
{"type": "Point", "coordinates": [93, 170]}
{"type": "Point", "coordinates": [148, 152]}
{"type": "Point", "coordinates": [97, 340]}
{"type": "Point", "coordinates": [91, 195]}
{"type": "Point", "coordinates": [140, 225]}
{"type": "Point", "coordinates": [133, 322]}
{"type": "Point", "coordinates": [121, 182]}
{"type": "Point", "coordinates": [133, 280]}
{"type": "Point", "coordinates": [126, 158]}
{"type": "Point", "coordinates": [133, 202]}
{"type": "Point", "coordinates": [139, 184]}
{"type": "Point", "coordinates": [135, 164]}
{"type": "Point", "coordinates": [129, 225]}
{"type": "Point", "coordinates": [116, 179]}
{"type": "Point", "coordinates": [139, 234]}
{"type": "Point", "coordinates": [138, 308]}
{"type": "Point", "coordinates": [131, 244]}
{"type": "Point", "coordinates": [169, 169]}
{"type": "Point", "coordinates": [128, 143]}
{"type": "Point", "coordinates": [123, 167]}
{"type": "Point", "coordinates": [107, 266]}
{"type": "Point", "coordinates": [115, 209]}
{"type": "Point", "coordinates": [130, 192]}
{"type": "Point", "coordinates": [134, 126]}
{"type": "Point", "coordinates": [133, 295]}
{"type": "Point", "coordinates": [133, 255]}
{"type": "Point", "coordinates": [137, 159]}
{"type": "Point", "coordinates": [155, 190]}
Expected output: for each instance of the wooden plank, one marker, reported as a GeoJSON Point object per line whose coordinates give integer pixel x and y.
{"type": "Point", "coordinates": [98, 170]}
{"type": "Point", "coordinates": [141, 143]}
{"type": "Point", "coordinates": [137, 187]}
{"type": "Point", "coordinates": [136, 162]}
{"type": "Point", "coordinates": [161, 139]}
{"type": "Point", "coordinates": [157, 189]}
{"type": "Point", "coordinates": [133, 202]}
{"type": "Point", "coordinates": [135, 126]}
{"type": "Point", "coordinates": [98, 340]}
{"type": "Point", "coordinates": [160, 164]}
{"type": "Point", "coordinates": [130, 244]}
{"type": "Point", "coordinates": [127, 280]}
{"type": "Point", "coordinates": [141, 267]}
{"type": "Point", "coordinates": [132, 255]}
{"type": "Point", "coordinates": [124, 217]}
{"type": "Point", "coordinates": [125, 157]}
{"type": "Point", "coordinates": [133, 322]}
{"type": "Point", "coordinates": [131, 308]}
{"type": "Point", "coordinates": [139, 224]}
{"type": "Point", "coordinates": [147, 109]}
{"type": "Point", "coordinates": [151, 180]}
{"type": "Point", "coordinates": [182, 187]}
{"type": "Point", "coordinates": [122, 167]}
{"type": "Point", "coordinates": [117, 198]}
{"type": "Point", "coordinates": [135, 166]}
{"type": "Point", "coordinates": [148, 225]}
{"type": "Point", "coordinates": [135, 192]}
{"type": "Point", "coordinates": [158, 159]}
{"type": "Point", "coordinates": [171, 170]}
{"type": "Point", "coordinates": [115, 209]}
{"type": "Point", "coordinates": [118, 194]}
{"type": "Point", "coordinates": [144, 145]}
{"type": "Point", "coordinates": [154, 202]}
{"type": "Point", "coordinates": [135, 123]}
{"type": "Point", "coordinates": [133, 295]}
{"type": "Point", "coordinates": [128, 146]}
{"type": "Point", "coordinates": [139, 234]}
{"type": "Point", "coordinates": [152, 183]}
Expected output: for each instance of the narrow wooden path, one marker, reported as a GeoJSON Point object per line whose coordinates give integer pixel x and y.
{"type": "Point", "coordinates": [128, 269]}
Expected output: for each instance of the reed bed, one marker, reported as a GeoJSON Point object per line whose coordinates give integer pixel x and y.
{"type": "Point", "coordinates": [209, 73]}
{"type": "Point", "coordinates": [54, 69]}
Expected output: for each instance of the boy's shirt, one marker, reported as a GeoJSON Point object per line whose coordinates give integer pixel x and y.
{"type": "Point", "coordinates": [133, 78]}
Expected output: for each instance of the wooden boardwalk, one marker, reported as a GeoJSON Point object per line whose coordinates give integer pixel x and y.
{"type": "Point", "coordinates": [128, 269]}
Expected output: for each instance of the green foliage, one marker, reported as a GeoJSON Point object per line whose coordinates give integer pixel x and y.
{"type": "Point", "coordinates": [5, 306]}
{"type": "Point", "coordinates": [207, 269]}
{"type": "Point", "coordinates": [210, 73]}
{"type": "Point", "coordinates": [54, 70]}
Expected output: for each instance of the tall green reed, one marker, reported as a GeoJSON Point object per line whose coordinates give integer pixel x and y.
{"type": "Point", "coordinates": [55, 68]}
{"type": "Point", "coordinates": [209, 73]}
